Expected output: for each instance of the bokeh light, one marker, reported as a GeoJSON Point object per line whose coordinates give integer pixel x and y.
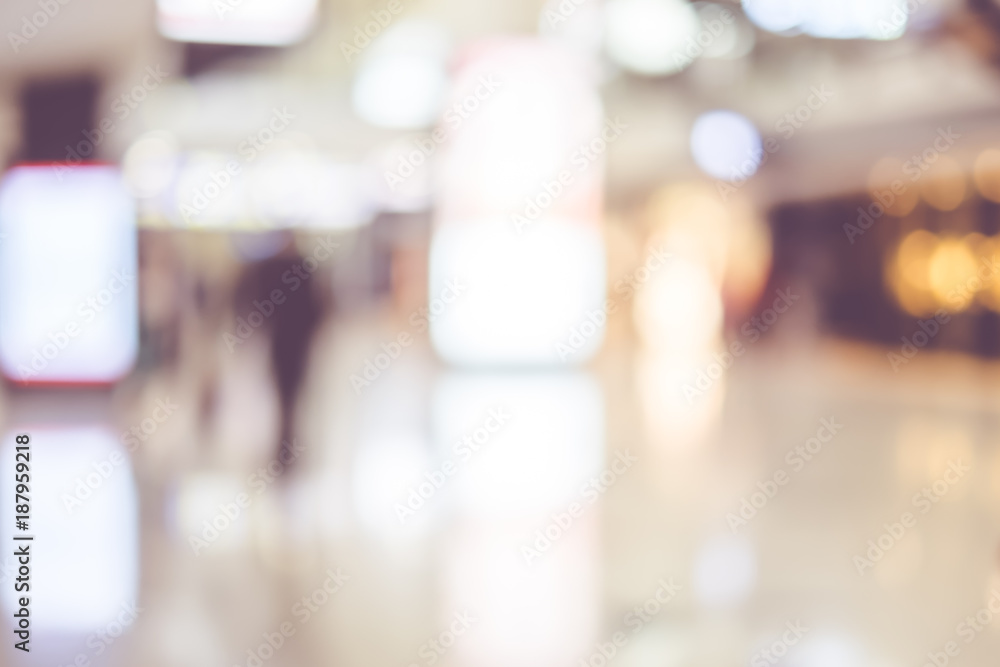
{"type": "Point", "coordinates": [401, 79]}
{"type": "Point", "coordinates": [986, 174]}
{"type": "Point", "coordinates": [648, 36]}
{"type": "Point", "coordinates": [944, 184]}
{"type": "Point", "coordinates": [832, 19]}
{"type": "Point", "coordinates": [887, 186]}
{"type": "Point", "coordinates": [726, 145]}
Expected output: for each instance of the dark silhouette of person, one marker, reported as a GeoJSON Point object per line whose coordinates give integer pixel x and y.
{"type": "Point", "coordinates": [292, 323]}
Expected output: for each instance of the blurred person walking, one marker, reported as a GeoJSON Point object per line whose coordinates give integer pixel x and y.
{"type": "Point", "coordinates": [288, 292]}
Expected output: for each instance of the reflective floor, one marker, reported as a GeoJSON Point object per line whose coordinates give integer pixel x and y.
{"type": "Point", "coordinates": [811, 508]}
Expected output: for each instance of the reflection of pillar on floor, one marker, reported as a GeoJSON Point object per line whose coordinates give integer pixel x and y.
{"type": "Point", "coordinates": [523, 554]}
{"type": "Point", "coordinates": [84, 515]}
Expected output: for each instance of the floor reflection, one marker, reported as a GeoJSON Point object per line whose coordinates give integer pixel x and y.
{"type": "Point", "coordinates": [478, 518]}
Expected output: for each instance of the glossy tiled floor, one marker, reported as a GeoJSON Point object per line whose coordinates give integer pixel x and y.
{"type": "Point", "coordinates": [566, 518]}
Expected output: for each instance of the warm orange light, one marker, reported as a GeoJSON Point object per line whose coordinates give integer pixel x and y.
{"type": "Point", "coordinates": [952, 268]}
{"type": "Point", "coordinates": [943, 187]}
{"type": "Point", "coordinates": [986, 174]}
{"type": "Point", "coordinates": [690, 220]}
{"type": "Point", "coordinates": [987, 252]}
{"type": "Point", "coordinates": [913, 258]}
{"type": "Point", "coordinates": [885, 183]}
{"type": "Point", "coordinates": [928, 273]}
{"type": "Point", "coordinates": [908, 273]}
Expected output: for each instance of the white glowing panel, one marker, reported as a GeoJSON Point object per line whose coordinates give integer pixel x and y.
{"type": "Point", "coordinates": [521, 114]}
{"type": "Point", "coordinates": [535, 299]}
{"type": "Point", "coordinates": [519, 210]}
{"type": "Point", "coordinates": [251, 22]}
{"type": "Point", "coordinates": [68, 271]}
{"type": "Point", "coordinates": [84, 518]}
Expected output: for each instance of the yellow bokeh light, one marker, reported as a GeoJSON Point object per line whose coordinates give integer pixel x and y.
{"type": "Point", "coordinates": [952, 274]}
{"type": "Point", "coordinates": [986, 174]}
{"type": "Point", "coordinates": [885, 185]}
{"type": "Point", "coordinates": [988, 252]}
{"type": "Point", "coordinates": [914, 256]}
{"type": "Point", "coordinates": [688, 219]}
{"type": "Point", "coordinates": [943, 186]}
{"type": "Point", "coordinates": [748, 267]}
{"type": "Point", "coordinates": [908, 273]}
